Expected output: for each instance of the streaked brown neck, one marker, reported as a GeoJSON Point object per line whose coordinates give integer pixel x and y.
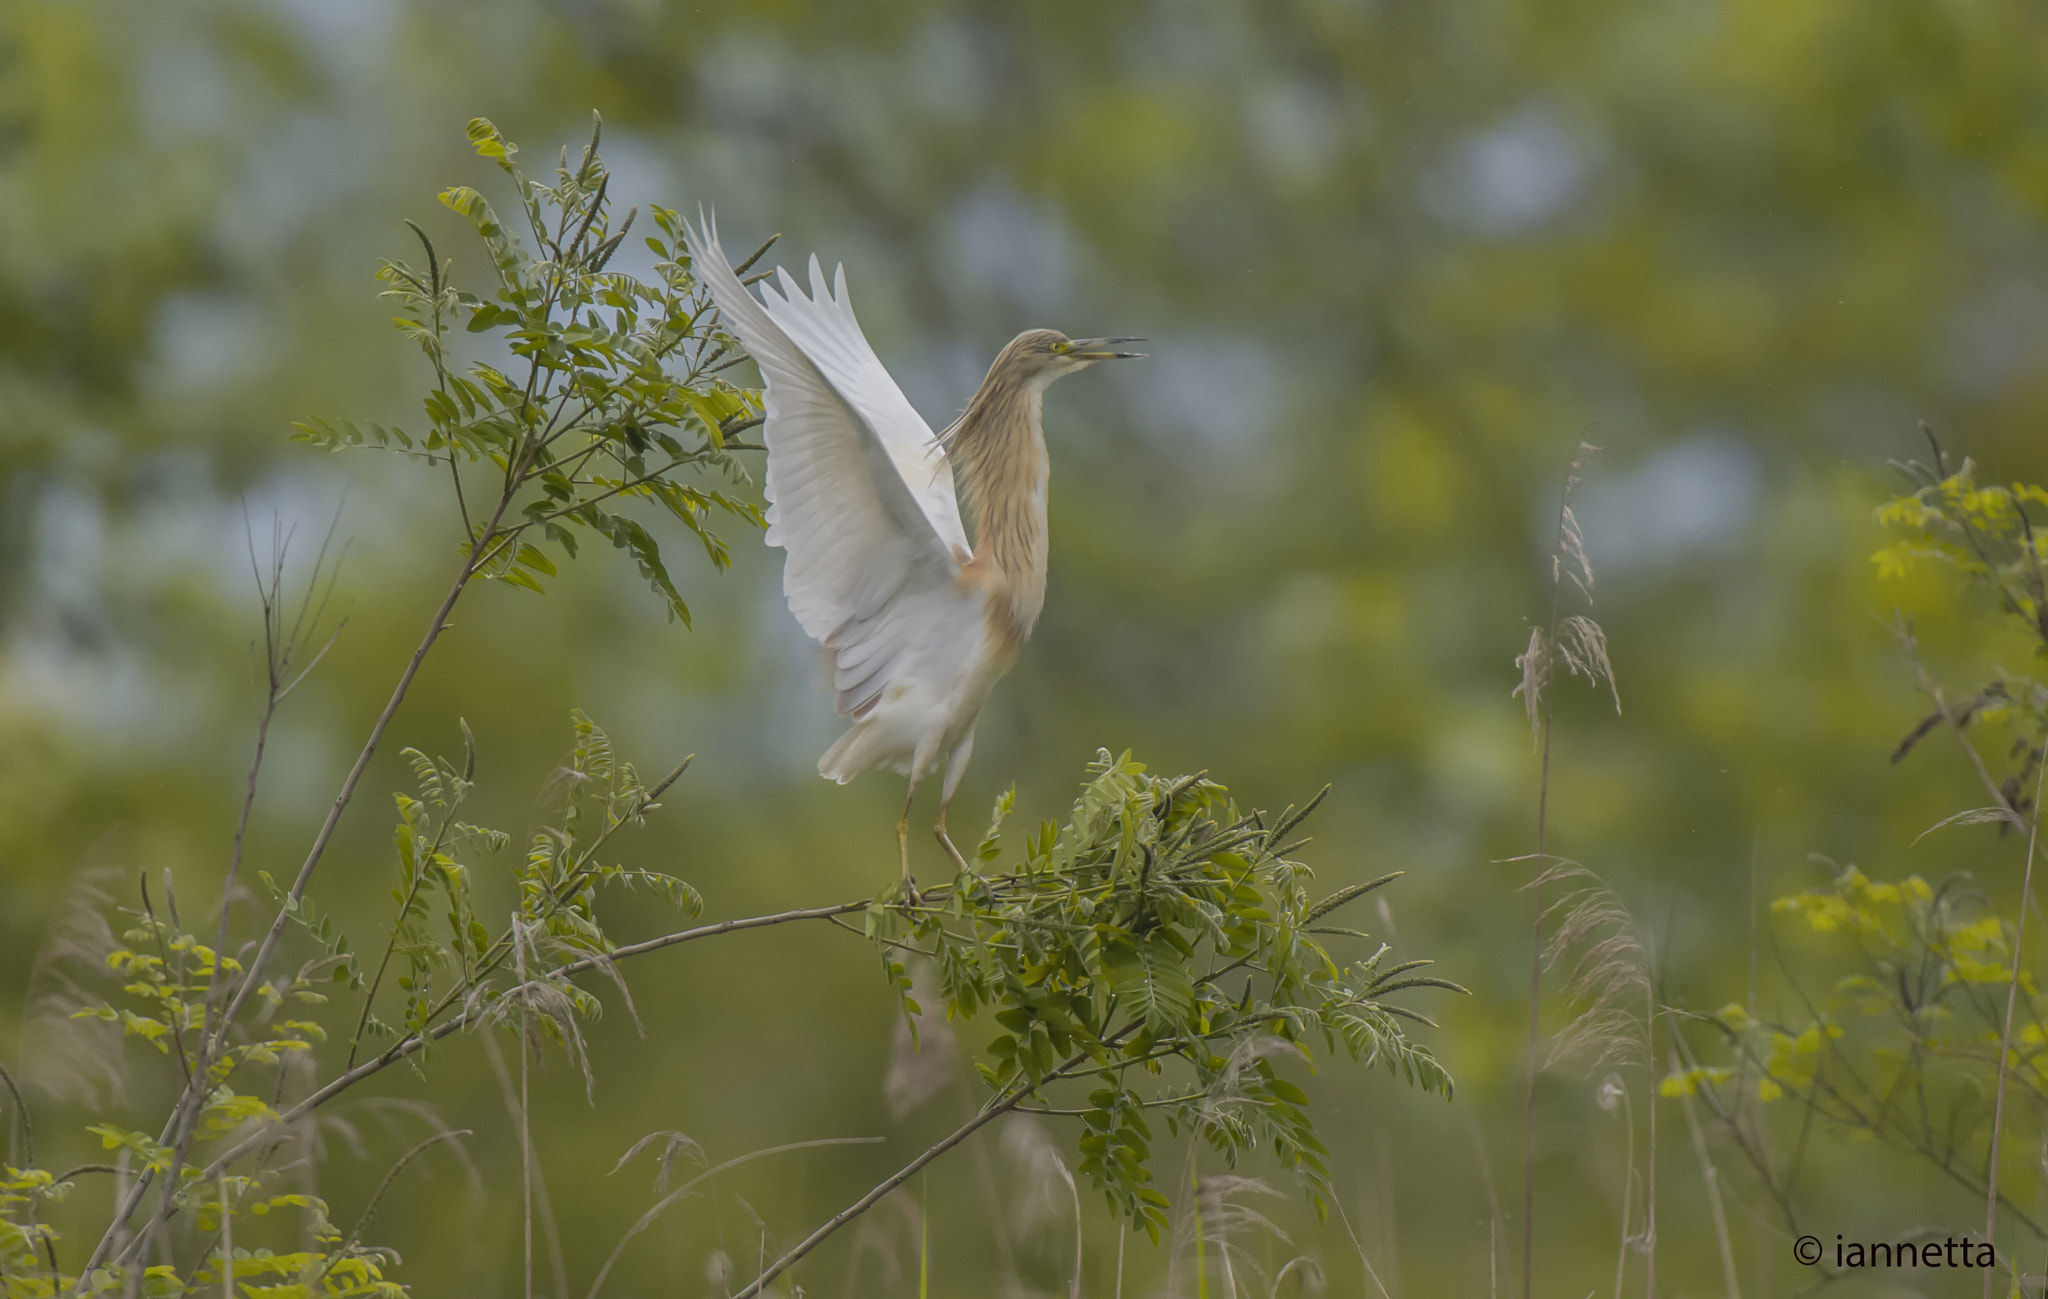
{"type": "Point", "coordinates": [998, 447]}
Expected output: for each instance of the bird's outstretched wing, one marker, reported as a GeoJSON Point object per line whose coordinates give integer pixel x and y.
{"type": "Point", "coordinates": [859, 494]}
{"type": "Point", "coordinates": [823, 325]}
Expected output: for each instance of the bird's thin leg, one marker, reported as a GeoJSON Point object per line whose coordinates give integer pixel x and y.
{"type": "Point", "coordinates": [956, 766]}
{"type": "Point", "coordinates": [903, 847]}
{"type": "Point", "coordinates": [946, 840]}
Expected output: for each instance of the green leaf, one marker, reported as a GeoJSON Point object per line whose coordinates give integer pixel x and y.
{"type": "Point", "coordinates": [489, 143]}
{"type": "Point", "coordinates": [519, 577]}
{"type": "Point", "coordinates": [533, 558]}
{"type": "Point", "coordinates": [1152, 981]}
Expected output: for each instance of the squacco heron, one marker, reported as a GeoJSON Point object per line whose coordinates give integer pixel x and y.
{"type": "Point", "coordinates": [919, 623]}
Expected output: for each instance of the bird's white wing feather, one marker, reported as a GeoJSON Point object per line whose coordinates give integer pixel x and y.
{"type": "Point", "coordinates": [823, 325]}
{"type": "Point", "coordinates": [868, 564]}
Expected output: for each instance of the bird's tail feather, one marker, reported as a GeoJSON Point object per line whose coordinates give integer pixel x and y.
{"type": "Point", "coordinates": [844, 760]}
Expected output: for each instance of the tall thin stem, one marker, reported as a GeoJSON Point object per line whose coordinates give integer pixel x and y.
{"type": "Point", "coordinates": [526, 1152]}
{"type": "Point", "coordinates": [1710, 1177]}
{"type": "Point", "coordinates": [1535, 1029]}
{"type": "Point", "coordinates": [1539, 665]}
{"type": "Point", "coordinates": [1650, 1165]}
{"type": "Point", "coordinates": [227, 1243]}
{"type": "Point", "coordinates": [1628, 1189]}
{"type": "Point", "coordinates": [1536, 937]}
{"type": "Point", "coordinates": [2012, 995]}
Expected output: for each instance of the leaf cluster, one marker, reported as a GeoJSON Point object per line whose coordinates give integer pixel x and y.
{"type": "Point", "coordinates": [1904, 1049]}
{"type": "Point", "coordinates": [1161, 949]}
{"type": "Point", "coordinates": [450, 967]}
{"type": "Point", "coordinates": [514, 970]}
{"type": "Point", "coordinates": [1988, 535]}
{"type": "Point", "coordinates": [614, 390]}
{"type": "Point", "coordinates": [169, 977]}
{"type": "Point", "coordinates": [1984, 530]}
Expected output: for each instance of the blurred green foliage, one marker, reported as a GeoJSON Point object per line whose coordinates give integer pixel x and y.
{"type": "Point", "coordinates": [1396, 261]}
{"type": "Point", "coordinates": [1940, 1016]}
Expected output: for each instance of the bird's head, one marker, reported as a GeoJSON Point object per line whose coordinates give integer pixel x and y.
{"type": "Point", "coordinates": [1043, 355]}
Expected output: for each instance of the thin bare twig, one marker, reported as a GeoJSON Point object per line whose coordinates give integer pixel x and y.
{"type": "Point", "coordinates": [647, 1218]}
{"type": "Point", "coordinates": [363, 1219]}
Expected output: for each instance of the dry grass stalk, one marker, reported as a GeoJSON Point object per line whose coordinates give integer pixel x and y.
{"type": "Point", "coordinates": [1609, 971]}
{"type": "Point", "coordinates": [63, 1054]}
{"type": "Point", "coordinates": [1580, 644]}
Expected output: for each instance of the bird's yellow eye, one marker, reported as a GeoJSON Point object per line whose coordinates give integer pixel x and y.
{"type": "Point", "coordinates": [1059, 347]}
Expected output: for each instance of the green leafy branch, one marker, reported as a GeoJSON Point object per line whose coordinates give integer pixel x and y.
{"type": "Point", "coordinates": [621, 392]}
{"type": "Point", "coordinates": [1903, 1051]}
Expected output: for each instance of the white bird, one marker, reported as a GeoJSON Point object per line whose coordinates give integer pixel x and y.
{"type": "Point", "coordinates": [919, 624]}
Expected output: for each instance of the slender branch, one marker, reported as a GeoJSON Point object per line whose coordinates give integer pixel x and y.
{"type": "Point", "coordinates": [647, 1218]}
{"type": "Point", "coordinates": [28, 1129]}
{"type": "Point", "coordinates": [276, 660]}
{"type": "Point", "coordinates": [713, 930]}
{"type": "Point", "coordinates": [354, 778]}
{"type": "Point", "coordinates": [625, 486]}
{"type": "Point", "coordinates": [874, 1196]}
{"type": "Point", "coordinates": [472, 1013]}
{"type": "Point", "coordinates": [1830, 1103]}
{"type": "Point", "coordinates": [363, 1219]}
{"type": "Point", "coordinates": [1650, 1166]}
{"type": "Point", "coordinates": [419, 880]}
{"type": "Point", "coordinates": [549, 432]}
{"type": "Point", "coordinates": [500, 950]}
{"type": "Point", "coordinates": [461, 503]}
{"type": "Point", "coordinates": [271, 696]}
{"type": "Point", "coordinates": [1159, 1102]}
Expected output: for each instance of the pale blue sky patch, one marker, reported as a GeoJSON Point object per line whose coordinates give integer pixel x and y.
{"type": "Point", "coordinates": [1017, 247]}
{"type": "Point", "coordinates": [1693, 497]}
{"type": "Point", "coordinates": [1513, 177]}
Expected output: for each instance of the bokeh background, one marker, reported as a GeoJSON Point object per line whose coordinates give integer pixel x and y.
{"type": "Point", "coordinates": [1395, 261]}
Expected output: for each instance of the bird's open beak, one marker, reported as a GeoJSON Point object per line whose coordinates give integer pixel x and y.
{"type": "Point", "coordinates": [1098, 349]}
